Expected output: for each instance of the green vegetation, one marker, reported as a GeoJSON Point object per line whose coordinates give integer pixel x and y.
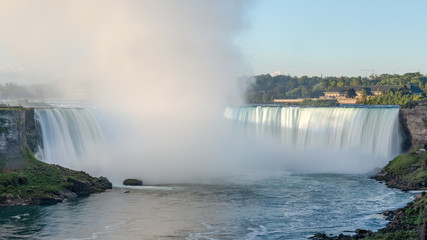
{"type": "Point", "coordinates": [265, 88]}
{"type": "Point", "coordinates": [402, 97]}
{"type": "Point", "coordinates": [401, 235]}
{"type": "Point", "coordinates": [320, 102]}
{"type": "Point", "coordinates": [410, 169]}
{"type": "Point", "coordinates": [37, 179]}
{"type": "Point", "coordinates": [14, 108]}
{"type": "Point", "coordinates": [312, 102]}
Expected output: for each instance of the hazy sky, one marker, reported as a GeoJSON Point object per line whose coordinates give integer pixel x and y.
{"type": "Point", "coordinates": [297, 37]}
{"type": "Point", "coordinates": [336, 37]}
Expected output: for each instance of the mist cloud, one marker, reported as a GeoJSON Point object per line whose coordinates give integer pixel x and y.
{"type": "Point", "coordinates": [162, 72]}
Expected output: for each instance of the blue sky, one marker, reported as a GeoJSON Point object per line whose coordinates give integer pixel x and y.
{"type": "Point", "coordinates": [336, 37]}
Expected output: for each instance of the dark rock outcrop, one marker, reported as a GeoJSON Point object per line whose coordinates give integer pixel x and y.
{"type": "Point", "coordinates": [80, 187]}
{"type": "Point", "coordinates": [414, 126]}
{"type": "Point", "coordinates": [398, 181]}
{"type": "Point", "coordinates": [132, 182]}
{"type": "Point", "coordinates": [84, 187]}
{"type": "Point", "coordinates": [360, 233]}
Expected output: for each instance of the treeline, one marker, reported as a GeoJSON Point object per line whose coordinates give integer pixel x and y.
{"type": "Point", "coordinates": [402, 96]}
{"type": "Point", "coordinates": [12, 91]}
{"type": "Point", "coordinates": [265, 87]}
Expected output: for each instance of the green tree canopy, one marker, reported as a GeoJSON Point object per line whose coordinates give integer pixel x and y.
{"type": "Point", "coordinates": [351, 93]}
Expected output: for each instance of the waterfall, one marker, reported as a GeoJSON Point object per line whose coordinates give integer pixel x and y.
{"type": "Point", "coordinates": [321, 139]}
{"type": "Point", "coordinates": [69, 136]}
{"type": "Point", "coordinates": [371, 130]}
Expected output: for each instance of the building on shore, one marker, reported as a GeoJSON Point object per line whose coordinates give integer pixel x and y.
{"type": "Point", "coordinates": [370, 90]}
{"type": "Point", "coordinates": [339, 94]}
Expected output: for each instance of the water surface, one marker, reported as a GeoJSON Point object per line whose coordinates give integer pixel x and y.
{"type": "Point", "coordinates": [264, 206]}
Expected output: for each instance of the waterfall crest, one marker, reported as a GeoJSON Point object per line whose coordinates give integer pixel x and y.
{"type": "Point", "coordinates": [69, 136]}
{"type": "Point", "coordinates": [372, 130]}
{"type": "Point", "coordinates": [307, 139]}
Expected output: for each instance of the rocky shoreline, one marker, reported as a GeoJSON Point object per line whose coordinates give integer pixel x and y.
{"type": "Point", "coordinates": [403, 224]}
{"type": "Point", "coordinates": [39, 183]}
{"type": "Point", "coordinates": [406, 172]}
{"type": "Point", "coordinates": [77, 188]}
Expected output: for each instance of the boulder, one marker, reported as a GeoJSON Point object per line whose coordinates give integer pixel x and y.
{"type": "Point", "coordinates": [47, 200]}
{"type": "Point", "coordinates": [80, 187]}
{"type": "Point", "coordinates": [67, 194]}
{"type": "Point", "coordinates": [132, 182]}
{"type": "Point", "coordinates": [104, 183]}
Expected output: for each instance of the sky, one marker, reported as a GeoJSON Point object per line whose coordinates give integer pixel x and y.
{"type": "Point", "coordinates": [304, 37]}
{"type": "Point", "coordinates": [336, 37]}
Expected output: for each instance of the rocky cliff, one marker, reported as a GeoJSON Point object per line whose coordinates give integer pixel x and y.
{"type": "Point", "coordinates": [26, 180]}
{"type": "Point", "coordinates": [414, 126]}
{"type": "Point", "coordinates": [17, 132]}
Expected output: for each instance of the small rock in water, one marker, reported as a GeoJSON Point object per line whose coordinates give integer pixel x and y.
{"type": "Point", "coordinates": [126, 191]}
{"type": "Point", "coordinates": [132, 182]}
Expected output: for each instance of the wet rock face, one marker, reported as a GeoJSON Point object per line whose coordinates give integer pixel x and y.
{"type": "Point", "coordinates": [30, 129]}
{"type": "Point", "coordinates": [414, 126]}
{"type": "Point", "coordinates": [11, 134]}
{"type": "Point", "coordinates": [17, 131]}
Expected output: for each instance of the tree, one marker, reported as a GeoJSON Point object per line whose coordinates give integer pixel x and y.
{"type": "Point", "coordinates": [281, 86]}
{"type": "Point", "coordinates": [363, 96]}
{"type": "Point", "coordinates": [355, 82]}
{"type": "Point", "coordinates": [305, 92]}
{"type": "Point", "coordinates": [364, 93]}
{"type": "Point", "coordinates": [351, 93]}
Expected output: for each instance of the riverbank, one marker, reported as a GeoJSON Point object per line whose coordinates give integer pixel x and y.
{"type": "Point", "coordinates": [39, 183]}
{"type": "Point", "coordinates": [406, 172]}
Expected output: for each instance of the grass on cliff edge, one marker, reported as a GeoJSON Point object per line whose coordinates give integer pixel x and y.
{"type": "Point", "coordinates": [13, 108]}
{"type": "Point", "coordinates": [411, 166]}
{"type": "Point", "coordinates": [37, 179]}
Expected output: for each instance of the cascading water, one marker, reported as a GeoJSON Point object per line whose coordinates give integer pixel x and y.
{"type": "Point", "coordinates": [324, 139]}
{"type": "Point", "coordinates": [69, 136]}
{"type": "Point", "coordinates": [369, 132]}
